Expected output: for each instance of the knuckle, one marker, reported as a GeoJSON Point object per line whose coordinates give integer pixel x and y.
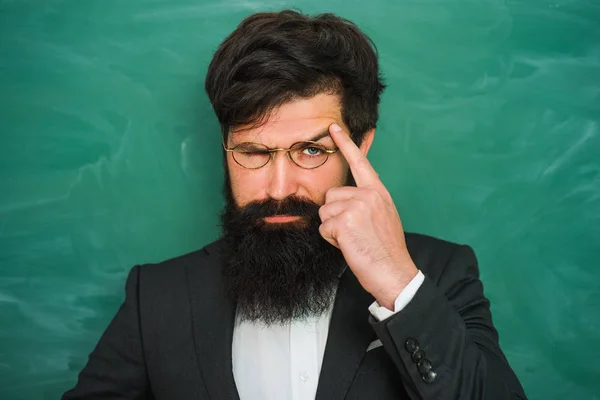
{"type": "Point", "coordinates": [371, 196]}
{"type": "Point", "coordinates": [361, 206]}
{"type": "Point", "coordinates": [322, 213]}
{"type": "Point", "coordinates": [322, 228]}
{"type": "Point", "coordinates": [374, 195]}
{"type": "Point", "coordinates": [347, 220]}
{"type": "Point", "coordinates": [330, 194]}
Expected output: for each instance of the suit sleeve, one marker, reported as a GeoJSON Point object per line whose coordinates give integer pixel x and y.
{"type": "Point", "coordinates": [444, 343]}
{"type": "Point", "coordinates": [116, 367]}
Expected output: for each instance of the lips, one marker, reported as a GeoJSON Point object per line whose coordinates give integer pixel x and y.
{"type": "Point", "coordinates": [281, 218]}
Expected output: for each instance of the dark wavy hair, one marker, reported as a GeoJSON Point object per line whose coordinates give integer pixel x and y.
{"type": "Point", "coordinates": [272, 58]}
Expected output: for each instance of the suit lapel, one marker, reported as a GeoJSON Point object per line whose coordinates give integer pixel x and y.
{"type": "Point", "coordinates": [348, 338]}
{"type": "Point", "coordinates": [213, 319]}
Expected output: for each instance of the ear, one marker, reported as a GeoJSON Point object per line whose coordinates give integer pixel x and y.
{"type": "Point", "coordinates": [367, 141]}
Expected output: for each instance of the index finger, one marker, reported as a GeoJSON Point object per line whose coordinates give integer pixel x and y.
{"type": "Point", "coordinates": [361, 168]}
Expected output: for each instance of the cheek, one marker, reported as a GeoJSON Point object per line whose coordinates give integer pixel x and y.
{"type": "Point", "coordinates": [333, 176]}
{"type": "Point", "coordinates": [339, 172]}
{"type": "Point", "coordinates": [246, 185]}
{"type": "Point", "coordinates": [235, 180]}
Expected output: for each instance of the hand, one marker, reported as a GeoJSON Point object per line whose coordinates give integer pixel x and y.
{"type": "Point", "coordinates": [364, 224]}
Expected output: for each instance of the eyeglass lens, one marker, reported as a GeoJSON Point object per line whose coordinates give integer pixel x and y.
{"type": "Point", "coordinates": [305, 154]}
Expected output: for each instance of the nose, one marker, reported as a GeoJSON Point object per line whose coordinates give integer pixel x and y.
{"type": "Point", "coordinates": [282, 179]}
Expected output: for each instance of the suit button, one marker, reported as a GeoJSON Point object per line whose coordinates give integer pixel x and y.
{"type": "Point", "coordinates": [412, 345]}
{"type": "Point", "coordinates": [424, 366]}
{"type": "Point", "coordinates": [429, 377]}
{"type": "Point", "coordinates": [418, 356]}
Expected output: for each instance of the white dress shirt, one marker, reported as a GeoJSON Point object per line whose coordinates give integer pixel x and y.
{"type": "Point", "coordinates": [284, 361]}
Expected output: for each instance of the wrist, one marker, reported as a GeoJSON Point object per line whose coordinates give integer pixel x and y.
{"type": "Point", "coordinates": [391, 287]}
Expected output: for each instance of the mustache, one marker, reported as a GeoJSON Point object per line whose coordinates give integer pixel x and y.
{"type": "Point", "coordinates": [292, 205]}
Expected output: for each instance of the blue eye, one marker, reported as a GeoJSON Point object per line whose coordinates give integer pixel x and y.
{"type": "Point", "coordinates": [312, 151]}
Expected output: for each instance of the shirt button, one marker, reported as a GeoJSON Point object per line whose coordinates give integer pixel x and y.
{"type": "Point", "coordinates": [304, 376]}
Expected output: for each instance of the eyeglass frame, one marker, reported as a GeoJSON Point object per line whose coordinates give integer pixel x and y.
{"type": "Point", "coordinates": [278, 149]}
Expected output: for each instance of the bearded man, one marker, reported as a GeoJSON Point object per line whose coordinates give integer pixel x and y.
{"type": "Point", "coordinates": [314, 289]}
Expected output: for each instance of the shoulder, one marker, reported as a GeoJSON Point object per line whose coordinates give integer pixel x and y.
{"type": "Point", "coordinates": [438, 258]}
{"type": "Point", "coordinates": [157, 287]}
{"type": "Point", "coordinates": [176, 269]}
{"type": "Point", "coordinates": [429, 248]}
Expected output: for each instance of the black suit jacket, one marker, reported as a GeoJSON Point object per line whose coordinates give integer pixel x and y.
{"type": "Point", "coordinates": [171, 338]}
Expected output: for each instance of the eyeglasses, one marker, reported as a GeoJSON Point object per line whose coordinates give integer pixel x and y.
{"type": "Point", "coordinates": [307, 155]}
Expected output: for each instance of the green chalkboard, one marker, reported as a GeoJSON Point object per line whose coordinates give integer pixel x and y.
{"type": "Point", "coordinates": [110, 157]}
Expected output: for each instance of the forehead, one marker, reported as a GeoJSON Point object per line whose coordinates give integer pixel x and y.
{"type": "Point", "coordinates": [294, 121]}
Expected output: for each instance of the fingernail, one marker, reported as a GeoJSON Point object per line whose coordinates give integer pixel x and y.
{"type": "Point", "coordinates": [336, 128]}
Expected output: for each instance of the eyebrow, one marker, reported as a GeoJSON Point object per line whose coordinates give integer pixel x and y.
{"type": "Point", "coordinates": [315, 138]}
{"type": "Point", "coordinates": [318, 137]}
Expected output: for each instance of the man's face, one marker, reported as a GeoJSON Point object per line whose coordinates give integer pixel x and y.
{"type": "Point", "coordinates": [277, 266]}
{"type": "Point", "coordinates": [296, 121]}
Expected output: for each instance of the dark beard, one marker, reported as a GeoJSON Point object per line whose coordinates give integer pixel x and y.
{"type": "Point", "coordinates": [278, 272]}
